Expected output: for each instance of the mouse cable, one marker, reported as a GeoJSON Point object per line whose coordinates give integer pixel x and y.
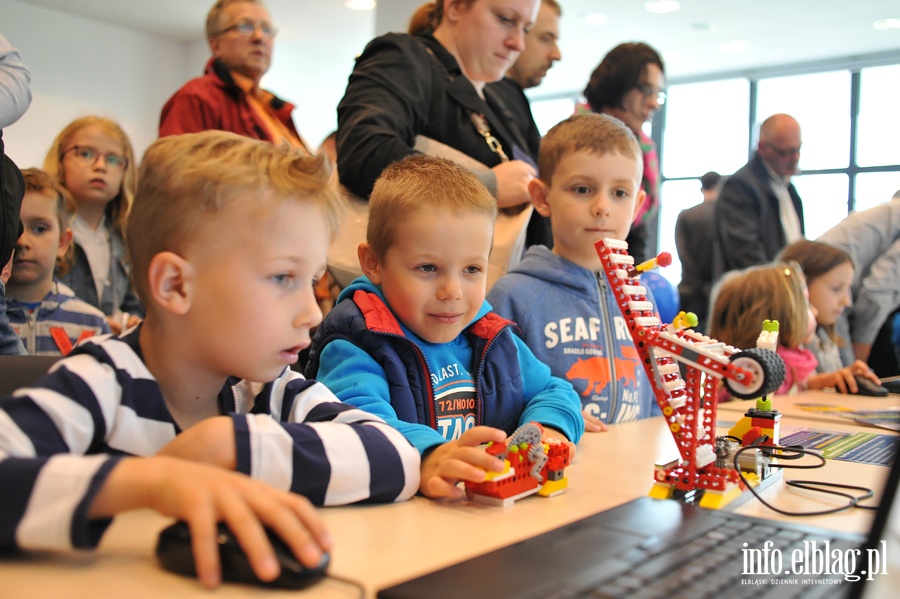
{"type": "Point", "coordinates": [795, 452]}
{"type": "Point", "coordinates": [356, 585]}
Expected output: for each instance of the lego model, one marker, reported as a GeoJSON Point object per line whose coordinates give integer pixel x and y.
{"type": "Point", "coordinates": [530, 466]}
{"type": "Point", "coordinates": [702, 475]}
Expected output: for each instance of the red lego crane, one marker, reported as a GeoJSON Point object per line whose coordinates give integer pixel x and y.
{"type": "Point", "coordinates": [688, 404]}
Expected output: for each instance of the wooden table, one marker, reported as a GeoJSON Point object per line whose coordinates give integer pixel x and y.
{"type": "Point", "coordinates": [378, 546]}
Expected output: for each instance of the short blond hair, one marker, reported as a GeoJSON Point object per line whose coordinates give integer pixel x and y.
{"type": "Point", "coordinates": [743, 299]}
{"type": "Point", "coordinates": [187, 179]}
{"type": "Point", "coordinates": [214, 17]}
{"type": "Point", "coordinates": [597, 134]}
{"type": "Point", "coordinates": [118, 208]}
{"type": "Point", "coordinates": [417, 182]}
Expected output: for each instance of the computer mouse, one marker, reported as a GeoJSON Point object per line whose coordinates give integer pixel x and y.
{"type": "Point", "coordinates": [173, 549]}
{"type": "Point", "coordinates": [869, 388]}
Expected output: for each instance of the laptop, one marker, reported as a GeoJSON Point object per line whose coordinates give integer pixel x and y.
{"type": "Point", "coordinates": [649, 548]}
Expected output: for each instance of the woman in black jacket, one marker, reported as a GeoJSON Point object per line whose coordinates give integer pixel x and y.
{"type": "Point", "coordinates": [431, 83]}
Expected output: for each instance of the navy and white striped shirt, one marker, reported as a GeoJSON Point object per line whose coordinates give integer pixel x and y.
{"type": "Point", "coordinates": [60, 439]}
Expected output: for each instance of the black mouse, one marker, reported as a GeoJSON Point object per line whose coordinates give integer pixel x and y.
{"type": "Point", "coordinates": [174, 552]}
{"type": "Point", "coordinates": [869, 388]}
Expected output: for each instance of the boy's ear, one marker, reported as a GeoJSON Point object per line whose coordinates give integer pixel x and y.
{"type": "Point", "coordinates": [640, 202]}
{"type": "Point", "coordinates": [170, 281]}
{"type": "Point", "coordinates": [65, 238]}
{"type": "Point", "coordinates": [368, 261]}
{"type": "Point", "coordinates": [538, 191]}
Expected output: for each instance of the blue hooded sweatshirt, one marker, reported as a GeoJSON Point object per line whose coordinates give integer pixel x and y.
{"type": "Point", "coordinates": [569, 318]}
{"type": "Point", "coordinates": [370, 360]}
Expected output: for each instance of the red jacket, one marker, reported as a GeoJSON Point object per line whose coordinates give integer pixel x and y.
{"type": "Point", "coordinates": [214, 101]}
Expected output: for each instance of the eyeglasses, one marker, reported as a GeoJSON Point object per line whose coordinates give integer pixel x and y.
{"type": "Point", "coordinates": [649, 91]}
{"type": "Point", "coordinates": [783, 152]}
{"type": "Point", "coordinates": [249, 28]}
{"type": "Point", "coordinates": [89, 156]}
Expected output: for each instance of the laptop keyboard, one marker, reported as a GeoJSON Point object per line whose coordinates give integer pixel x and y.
{"type": "Point", "coordinates": [711, 565]}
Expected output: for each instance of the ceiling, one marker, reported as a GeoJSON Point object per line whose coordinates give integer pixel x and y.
{"type": "Point", "coordinates": [771, 32]}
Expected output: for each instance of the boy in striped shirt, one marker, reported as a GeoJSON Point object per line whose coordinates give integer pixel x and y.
{"type": "Point", "coordinates": [227, 237]}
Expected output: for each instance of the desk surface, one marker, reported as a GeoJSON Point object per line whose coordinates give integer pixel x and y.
{"type": "Point", "coordinates": [381, 545]}
{"type": "Point", "coordinates": [790, 405]}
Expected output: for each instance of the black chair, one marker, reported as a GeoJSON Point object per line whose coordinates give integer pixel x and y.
{"type": "Point", "coordinates": [22, 371]}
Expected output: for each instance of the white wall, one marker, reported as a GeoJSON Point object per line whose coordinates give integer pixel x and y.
{"type": "Point", "coordinates": [81, 67]}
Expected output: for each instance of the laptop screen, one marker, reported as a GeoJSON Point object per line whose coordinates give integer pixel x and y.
{"type": "Point", "coordinates": [883, 545]}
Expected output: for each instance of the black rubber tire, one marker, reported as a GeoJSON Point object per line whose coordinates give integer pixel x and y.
{"type": "Point", "coordinates": [766, 363]}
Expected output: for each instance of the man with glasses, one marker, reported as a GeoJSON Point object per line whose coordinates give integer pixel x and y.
{"type": "Point", "coordinates": [628, 84]}
{"type": "Point", "coordinates": [228, 97]}
{"type": "Point", "coordinates": [759, 211]}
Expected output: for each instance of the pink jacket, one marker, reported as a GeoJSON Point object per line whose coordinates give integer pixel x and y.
{"type": "Point", "coordinates": [800, 364]}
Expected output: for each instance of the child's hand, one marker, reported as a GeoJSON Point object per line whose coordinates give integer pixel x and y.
{"type": "Point", "coordinates": [843, 380]}
{"type": "Point", "coordinates": [459, 460]}
{"type": "Point", "coordinates": [121, 322]}
{"type": "Point", "coordinates": [862, 369]}
{"type": "Point", "coordinates": [210, 441]}
{"type": "Point", "coordinates": [6, 272]}
{"type": "Point", "coordinates": [552, 433]}
{"type": "Point", "coordinates": [202, 496]}
{"type": "Point", "coordinates": [592, 424]}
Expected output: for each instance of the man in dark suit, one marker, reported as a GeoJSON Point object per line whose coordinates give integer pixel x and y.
{"type": "Point", "coordinates": [759, 211]}
{"type": "Point", "coordinates": [695, 240]}
{"type": "Point", "coordinates": [541, 51]}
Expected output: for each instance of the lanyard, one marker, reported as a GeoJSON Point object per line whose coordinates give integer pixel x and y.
{"type": "Point", "coordinates": [493, 143]}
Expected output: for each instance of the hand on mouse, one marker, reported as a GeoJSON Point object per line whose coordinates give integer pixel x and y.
{"type": "Point", "coordinates": [844, 379]}
{"type": "Point", "coordinates": [204, 495]}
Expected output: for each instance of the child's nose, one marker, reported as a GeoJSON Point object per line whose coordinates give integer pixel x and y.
{"type": "Point", "coordinates": [601, 207]}
{"type": "Point", "coordinates": [450, 289]}
{"type": "Point", "coordinates": [309, 314]}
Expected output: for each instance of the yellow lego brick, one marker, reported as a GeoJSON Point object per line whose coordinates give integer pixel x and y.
{"type": "Point", "coordinates": [553, 487]}
{"type": "Point", "coordinates": [660, 491]}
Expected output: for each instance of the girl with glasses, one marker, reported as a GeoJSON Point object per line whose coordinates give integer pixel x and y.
{"type": "Point", "coordinates": [93, 159]}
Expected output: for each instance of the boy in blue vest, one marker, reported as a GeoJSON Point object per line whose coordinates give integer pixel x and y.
{"type": "Point", "coordinates": [414, 342]}
{"type": "Point", "coordinates": [195, 412]}
{"type": "Point", "coordinates": [589, 187]}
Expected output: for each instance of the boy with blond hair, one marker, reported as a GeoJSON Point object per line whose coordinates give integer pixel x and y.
{"type": "Point", "coordinates": [414, 342]}
{"type": "Point", "coordinates": [590, 188]}
{"type": "Point", "coordinates": [43, 311]}
{"type": "Point", "coordinates": [227, 236]}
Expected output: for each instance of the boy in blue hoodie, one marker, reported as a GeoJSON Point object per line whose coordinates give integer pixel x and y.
{"type": "Point", "coordinates": [414, 342]}
{"type": "Point", "coordinates": [590, 187]}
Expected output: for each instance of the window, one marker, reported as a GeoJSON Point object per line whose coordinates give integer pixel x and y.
{"type": "Point", "coordinates": [875, 188]}
{"type": "Point", "coordinates": [879, 125]}
{"type": "Point", "coordinates": [679, 195]}
{"type": "Point", "coordinates": [706, 128]}
{"type": "Point", "coordinates": [547, 113]}
{"type": "Point", "coordinates": [824, 201]}
{"type": "Point", "coordinates": [821, 104]}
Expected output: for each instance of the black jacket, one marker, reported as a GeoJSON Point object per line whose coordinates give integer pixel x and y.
{"type": "Point", "coordinates": [748, 221]}
{"type": "Point", "coordinates": [403, 86]}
